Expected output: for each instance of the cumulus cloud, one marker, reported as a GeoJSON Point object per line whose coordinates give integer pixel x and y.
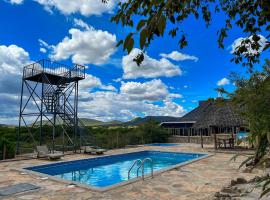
{"type": "Point", "coordinates": [133, 99]}
{"type": "Point", "coordinates": [154, 90]}
{"type": "Point", "coordinates": [96, 99]}
{"type": "Point", "coordinates": [81, 23]}
{"type": "Point", "coordinates": [177, 56]}
{"type": "Point", "coordinates": [83, 7]}
{"type": "Point", "coordinates": [15, 1]}
{"type": "Point", "coordinates": [88, 46]}
{"type": "Point", "coordinates": [150, 67]}
{"type": "Point", "coordinates": [89, 83]}
{"type": "Point", "coordinates": [42, 50]}
{"type": "Point", "coordinates": [223, 81]}
{"type": "Point", "coordinates": [109, 105]}
{"type": "Point", "coordinates": [12, 60]}
{"type": "Point", "coordinates": [248, 43]}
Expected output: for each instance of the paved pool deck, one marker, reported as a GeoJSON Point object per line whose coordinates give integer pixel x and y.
{"type": "Point", "coordinates": [197, 180]}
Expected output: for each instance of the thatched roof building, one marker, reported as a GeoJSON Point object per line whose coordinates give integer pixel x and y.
{"type": "Point", "coordinates": [220, 113]}
{"type": "Point", "coordinates": [217, 115]}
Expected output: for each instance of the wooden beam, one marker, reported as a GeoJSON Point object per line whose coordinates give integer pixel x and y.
{"type": "Point", "coordinates": [201, 140]}
{"type": "Point", "coordinates": [215, 139]}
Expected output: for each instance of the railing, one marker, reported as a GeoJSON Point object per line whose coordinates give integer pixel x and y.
{"type": "Point", "coordinates": [54, 68]}
{"type": "Point", "coordinates": [141, 166]}
{"type": "Point", "coordinates": [136, 162]}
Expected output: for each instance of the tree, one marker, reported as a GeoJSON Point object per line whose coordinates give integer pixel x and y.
{"type": "Point", "coordinates": [252, 16]}
{"type": "Point", "coordinates": [7, 142]}
{"type": "Point", "coordinates": [251, 99]}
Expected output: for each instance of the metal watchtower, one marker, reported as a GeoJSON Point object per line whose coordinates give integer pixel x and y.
{"type": "Point", "coordinates": [49, 108]}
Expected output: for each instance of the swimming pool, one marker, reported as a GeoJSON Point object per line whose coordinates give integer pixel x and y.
{"type": "Point", "coordinates": [107, 171]}
{"type": "Point", "coordinates": [162, 144]}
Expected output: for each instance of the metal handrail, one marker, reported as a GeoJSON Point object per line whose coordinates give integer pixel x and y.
{"type": "Point", "coordinates": [142, 165]}
{"type": "Point", "coordinates": [136, 162]}
{"type": "Point", "coordinates": [51, 67]}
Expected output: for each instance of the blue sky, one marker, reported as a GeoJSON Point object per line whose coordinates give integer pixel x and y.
{"type": "Point", "coordinates": [168, 84]}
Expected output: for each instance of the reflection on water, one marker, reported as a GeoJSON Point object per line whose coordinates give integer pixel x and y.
{"type": "Point", "coordinates": [109, 174]}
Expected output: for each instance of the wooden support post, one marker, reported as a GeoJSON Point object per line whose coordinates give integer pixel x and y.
{"type": "Point", "coordinates": [188, 136]}
{"type": "Point", "coordinates": [201, 140]}
{"type": "Point", "coordinates": [215, 139]}
{"type": "Point", "coordinates": [4, 151]}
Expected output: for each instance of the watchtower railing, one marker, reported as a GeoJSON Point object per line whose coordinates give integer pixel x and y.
{"type": "Point", "coordinates": [54, 68]}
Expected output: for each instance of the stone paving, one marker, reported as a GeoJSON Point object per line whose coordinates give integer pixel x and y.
{"type": "Point", "coordinates": [198, 180]}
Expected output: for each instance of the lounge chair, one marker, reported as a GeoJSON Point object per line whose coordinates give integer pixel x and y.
{"type": "Point", "coordinates": [93, 150]}
{"type": "Point", "coordinates": [44, 152]}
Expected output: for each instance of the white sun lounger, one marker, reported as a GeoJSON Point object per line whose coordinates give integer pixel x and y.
{"type": "Point", "coordinates": [93, 150]}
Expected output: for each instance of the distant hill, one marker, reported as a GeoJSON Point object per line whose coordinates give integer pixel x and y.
{"type": "Point", "coordinates": [94, 122]}
{"type": "Point", "coordinates": [139, 120]}
{"type": "Point", "coordinates": [134, 122]}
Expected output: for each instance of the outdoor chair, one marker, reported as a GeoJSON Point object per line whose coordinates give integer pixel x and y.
{"type": "Point", "coordinates": [44, 152]}
{"type": "Point", "coordinates": [92, 150]}
{"type": "Point", "coordinates": [225, 142]}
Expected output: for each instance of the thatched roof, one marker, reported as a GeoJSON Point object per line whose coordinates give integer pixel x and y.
{"type": "Point", "coordinates": [219, 113]}
{"type": "Point", "coordinates": [196, 113]}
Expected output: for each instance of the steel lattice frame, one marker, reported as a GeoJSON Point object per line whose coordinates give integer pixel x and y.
{"type": "Point", "coordinates": [34, 107]}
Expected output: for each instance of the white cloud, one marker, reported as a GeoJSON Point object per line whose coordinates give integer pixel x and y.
{"type": "Point", "coordinates": [185, 86]}
{"type": "Point", "coordinates": [83, 7]}
{"type": "Point", "coordinates": [133, 99]}
{"type": "Point", "coordinates": [88, 46]}
{"type": "Point", "coordinates": [44, 44]}
{"type": "Point", "coordinates": [108, 87]}
{"type": "Point", "coordinates": [107, 106]}
{"type": "Point", "coordinates": [81, 23]}
{"type": "Point", "coordinates": [117, 80]}
{"type": "Point", "coordinates": [150, 67]}
{"type": "Point", "coordinates": [154, 90]}
{"type": "Point", "coordinates": [89, 83]}
{"type": "Point", "coordinates": [177, 56]}
{"type": "Point", "coordinates": [12, 60]}
{"type": "Point", "coordinates": [105, 103]}
{"type": "Point", "coordinates": [15, 1]}
{"type": "Point", "coordinates": [42, 50]}
{"type": "Point", "coordinates": [241, 42]}
{"type": "Point", "coordinates": [223, 81]}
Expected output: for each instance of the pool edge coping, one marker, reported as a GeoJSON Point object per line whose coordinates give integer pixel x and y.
{"type": "Point", "coordinates": [117, 185]}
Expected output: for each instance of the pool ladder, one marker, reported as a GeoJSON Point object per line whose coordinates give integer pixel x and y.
{"type": "Point", "coordinates": [141, 165]}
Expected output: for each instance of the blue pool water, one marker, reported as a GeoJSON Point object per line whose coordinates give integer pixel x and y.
{"type": "Point", "coordinates": [162, 144]}
{"type": "Point", "coordinates": [109, 170]}
{"type": "Point", "coordinates": [241, 135]}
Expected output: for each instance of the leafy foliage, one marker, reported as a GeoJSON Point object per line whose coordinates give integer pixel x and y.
{"type": "Point", "coordinates": [252, 16]}
{"type": "Point", "coordinates": [107, 137]}
{"type": "Point", "coordinates": [252, 98]}
{"type": "Point", "coordinates": [117, 137]}
{"type": "Point", "coordinates": [7, 142]}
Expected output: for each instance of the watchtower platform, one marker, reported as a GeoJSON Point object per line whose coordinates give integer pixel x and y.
{"type": "Point", "coordinates": [54, 72]}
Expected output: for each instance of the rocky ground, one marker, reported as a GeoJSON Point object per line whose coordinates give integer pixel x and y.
{"type": "Point", "coordinates": [241, 189]}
